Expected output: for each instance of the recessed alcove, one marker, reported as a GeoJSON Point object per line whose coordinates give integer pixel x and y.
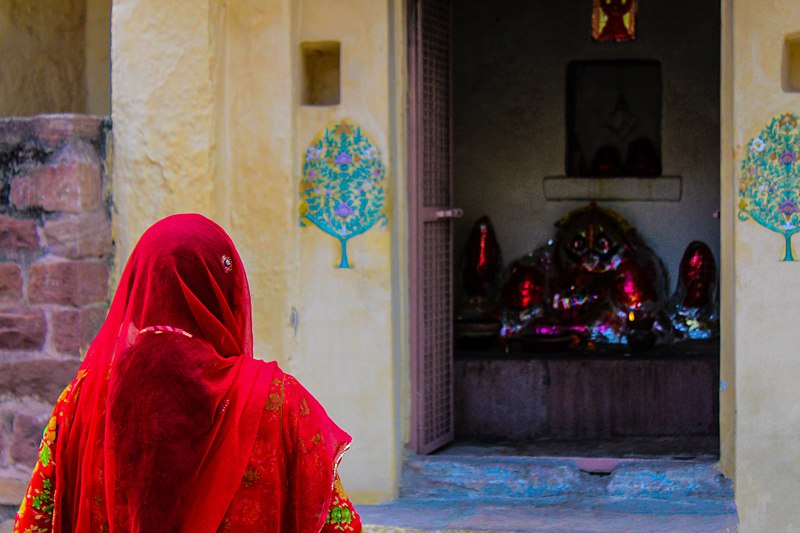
{"type": "Point", "coordinates": [321, 73]}
{"type": "Point", "coordinates": [613, 118]}
{"type": "Point", "coordinates": [791, 63]}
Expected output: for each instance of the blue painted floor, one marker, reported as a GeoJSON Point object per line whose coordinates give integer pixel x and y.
{"type": "Point", "coordinates": [585, 515]}
{"type": "Point", "coordinates": [468, 488]}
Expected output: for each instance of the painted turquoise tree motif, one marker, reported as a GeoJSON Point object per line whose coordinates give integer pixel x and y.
{"type": "Point", "coordinates": [341, 191]}
{"type": "Point", "coordinates": [769, 190]}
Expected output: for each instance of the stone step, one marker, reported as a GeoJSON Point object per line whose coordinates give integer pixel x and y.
{"type": "Point", "coordinates": [587, 514]}
{"type": "Point", "coordinates": [481, 477]}
{"type": "Point", "coordinates": [463, 492]}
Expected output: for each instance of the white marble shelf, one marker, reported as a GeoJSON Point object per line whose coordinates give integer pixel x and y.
{"type": "Point", "coordinates": [627, 189]}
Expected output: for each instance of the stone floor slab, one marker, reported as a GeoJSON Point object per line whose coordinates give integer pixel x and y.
{"type": "Point", "coordinates": [594, 515]}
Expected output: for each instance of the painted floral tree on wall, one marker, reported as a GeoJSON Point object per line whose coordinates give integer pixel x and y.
{"type": "Point", "coordinates": [769, 190]}
{"type": "Point", "coordinates": [341, 191]}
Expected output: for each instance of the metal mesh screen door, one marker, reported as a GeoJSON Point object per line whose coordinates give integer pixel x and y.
{"type": "Point", "coordinates": [430, 195]}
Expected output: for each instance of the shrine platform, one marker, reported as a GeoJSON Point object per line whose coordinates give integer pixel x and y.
{"type": "Point", "coordinates": [578, 394]}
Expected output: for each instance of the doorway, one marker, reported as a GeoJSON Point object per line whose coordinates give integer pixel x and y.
{"type": "Point", "coordinates": [488, 128]}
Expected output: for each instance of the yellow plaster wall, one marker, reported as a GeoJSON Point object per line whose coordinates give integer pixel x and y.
{"type": "Point", "coordinates": [253, 181]}
{"type": "Point", "coordinates": [344, 338]}
{"type": "Point", "coordinates": [766, 305]}
{"type": "Point", "coordinates": [162, 111]}
{"type": "Point", "coordinates": [42, 46]}
{"type": "Point", "coordinates": [728, 201]}
{"type": "Point", "coordinates": [207, 118]}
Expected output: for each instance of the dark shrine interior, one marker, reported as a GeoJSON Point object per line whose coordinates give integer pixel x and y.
{"type": "Point", "coordinates": [585, 326]}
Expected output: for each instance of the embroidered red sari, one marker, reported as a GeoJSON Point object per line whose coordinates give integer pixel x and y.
{"type": "Point", "coordinates": [172, 425]}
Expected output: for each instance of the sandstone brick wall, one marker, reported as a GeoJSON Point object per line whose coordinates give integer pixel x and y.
{"type": "Point", "coordinates": [55, 256]}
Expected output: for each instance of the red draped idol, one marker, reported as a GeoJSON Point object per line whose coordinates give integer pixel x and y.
{"type": "Point", "coordinates": [171, 425]}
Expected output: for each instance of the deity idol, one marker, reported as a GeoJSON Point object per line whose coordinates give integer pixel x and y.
{"type": "Point", "coordinates": [477, 323]}
{"type": "Point", "coordinates": [614, 20]}
{"type": "Point", "coordinates": [693, 307]}
{"type": "Point", "coordinates": [600, 282]}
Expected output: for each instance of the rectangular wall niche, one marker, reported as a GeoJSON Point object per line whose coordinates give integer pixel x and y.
{"type": "Point", "coordinates": [614, 118]}
{"type": "Point", "coordinates": [321, 73]}
{"type": "Point", "coordinates": [791, 64]}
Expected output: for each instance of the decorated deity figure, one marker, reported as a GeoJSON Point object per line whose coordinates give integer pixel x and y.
{"type": "Point", "coordinates": [693, 307]}
{"type": "Point", "coordinates": [477, 315]}
{"type": "Point", "coordinates": [604, 272]}
{"type": "Point", "coordinates": [643, 159]}
{"type": "Point", "coordinates": [525, 291]}
{"type": "Point", "coordinates": [606, 162]}
{"type": "Point", "coordinates": [481, 260]}
{"type": "Point", "coordinates": [614, 20]}
{"type": "Point", "coordinates": [602, 282]}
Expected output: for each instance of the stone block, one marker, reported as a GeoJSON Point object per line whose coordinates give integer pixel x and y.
{"type": "Point", "coordinates": [10, 283]}
{"type": "Point", "coordinates": [7, 410]}
{"type": "Point", "coordinates": [4, 438]}
{"type": "Point", "coordinates": [25, 439]}
{"type": "Point", "coordinates": [52, 131]}
{"type": "Point", "coordinates": [668, 479]}
{"type": "Point", "coordinates": [14, 131]}
{"type": "Point", "coordinates": [7, 526]}
{"type": "Point", "coordinates": [68, 282]}
{"type": "Point", "coordinates": [70, 181]}
{"type": "Point", "coordinates": [57, 129]}
{"type": "Point", "coordinates": [38, 378]}
{"type": "Point", "coordinates": [72, 330]}
{"type": "Point", "coordinates": [12, 490]}
{"type": "Point", "coordinates": [17, 235]}
{"type": "Point", "coordinates": [474, 477]}
{"type": "Point", "coordinates": [22, 329]}
{"type": "Point", "coordinates": [79, 236]}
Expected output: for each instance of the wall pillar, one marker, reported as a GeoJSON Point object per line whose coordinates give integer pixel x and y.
{"type": "Point", "coordinates": [208, 118]}
{"type": "Point", "coordinates": [764, 321]}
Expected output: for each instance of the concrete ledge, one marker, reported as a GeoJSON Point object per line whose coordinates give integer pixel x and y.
{"type": "Point", "coordinates": [660, 189]}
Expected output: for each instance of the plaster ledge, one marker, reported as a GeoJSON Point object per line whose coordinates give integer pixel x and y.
{"type": "Point", "coordinates": [660, 189]}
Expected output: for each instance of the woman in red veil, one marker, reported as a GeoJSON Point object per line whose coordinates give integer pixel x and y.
{"type": "Point", "coordinates": [171, 425]}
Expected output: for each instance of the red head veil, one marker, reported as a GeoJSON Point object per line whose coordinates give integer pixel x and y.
{"type": "Point", "coordinates": [171, 399]}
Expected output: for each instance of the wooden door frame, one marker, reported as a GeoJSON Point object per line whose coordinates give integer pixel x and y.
{"type": "Point", "coordinates": [727, 400]}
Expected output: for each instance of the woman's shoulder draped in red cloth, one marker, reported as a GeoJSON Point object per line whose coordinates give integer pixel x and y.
{"type": "Point", "coordinates": [173, 403]}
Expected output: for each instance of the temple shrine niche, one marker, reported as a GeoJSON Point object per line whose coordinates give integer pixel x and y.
{"type": "Point", "coordinates": [584, 337]}
{"type": "Point", "coordinates": [613, 118]}
{"type": "Point", "coordinates": [586, 301]}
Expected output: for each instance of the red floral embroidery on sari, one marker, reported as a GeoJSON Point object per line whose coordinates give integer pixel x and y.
{"type": "Point", "coordinates": [291, 410]}
{"type": "Point", "coordinates": [36, 511]}
{"type": "Point", "coordinates": [252, 508]}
